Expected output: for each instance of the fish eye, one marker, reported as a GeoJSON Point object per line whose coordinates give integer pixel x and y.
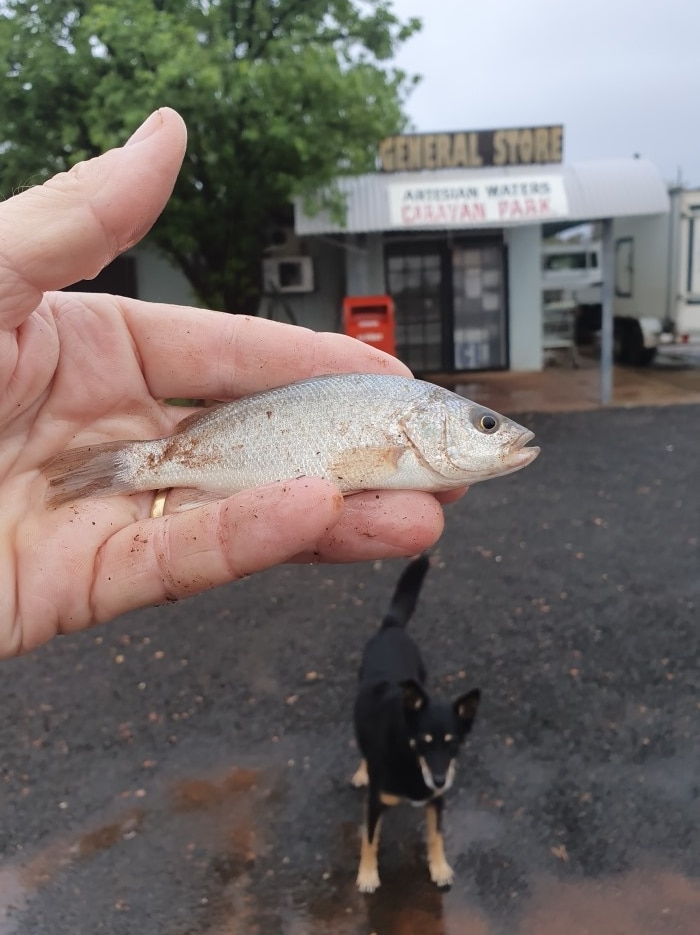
{"type": "Point", "coordinates": [487, 423]}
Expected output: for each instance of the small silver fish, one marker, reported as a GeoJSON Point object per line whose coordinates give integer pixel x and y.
{"type": "Point", "coordinates": [361, 431]}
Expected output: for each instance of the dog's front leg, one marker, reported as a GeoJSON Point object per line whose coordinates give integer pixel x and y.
{"type": "Point", "coordinates": [440, 871]}
{"type": "Point", "coordinates": [360, 777]}
{"type": "Point", "coordinates": [368, 873]}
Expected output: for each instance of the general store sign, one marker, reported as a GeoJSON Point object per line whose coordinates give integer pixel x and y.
{"type": "Point", "coordinates": [520, 146]}
{"type": "Point", "coordinates": [455, 203]}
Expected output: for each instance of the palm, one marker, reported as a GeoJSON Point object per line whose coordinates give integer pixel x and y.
{"type": "Point", "coordinates": [77, 369]}
{"type": "Point", "coordinates": [93, 390]}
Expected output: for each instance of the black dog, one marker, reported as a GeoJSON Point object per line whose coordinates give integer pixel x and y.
{"type": "Point", "coordinates": [409, 741]}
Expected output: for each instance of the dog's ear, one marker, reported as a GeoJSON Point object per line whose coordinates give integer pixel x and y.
{"type": "Point", "coordinates": [465, 707]}
{"type": "Point", "coordinates": [413, 696]}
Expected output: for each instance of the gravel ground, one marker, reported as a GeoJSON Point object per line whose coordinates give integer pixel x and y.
{"type": "Point", "coordinates": [185, 770]}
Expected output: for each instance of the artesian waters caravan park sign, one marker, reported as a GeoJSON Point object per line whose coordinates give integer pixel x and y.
{"type": "Point", "coordinates": [468, 203]}
{"type": "Point", "coordinates": [523, 146]}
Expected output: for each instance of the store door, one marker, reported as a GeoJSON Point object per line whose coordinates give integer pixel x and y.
{"type": "Point", "coordinates": [450, 305]}
{"type": "Point", "coordinates": [479, 307]}
{"type": "Point", "coordinates": [416, 282]}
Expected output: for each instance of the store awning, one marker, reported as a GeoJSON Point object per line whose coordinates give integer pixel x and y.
{"type": "Point", "coordinates": [493, 197]}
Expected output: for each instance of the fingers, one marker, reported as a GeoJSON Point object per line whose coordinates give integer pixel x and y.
{"type": "Point", "coordinates": [72, 226]}
{"type": "Point", "coordinates": [392, 524]}
{"type": "Point", "coordinates": [182, 554]}
{"type": "Point", "coordinates": [451, 496]}
{"type": "Point", "coordinates": [201, 354]}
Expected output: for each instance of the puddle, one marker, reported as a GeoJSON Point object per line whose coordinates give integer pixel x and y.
{"type": "Point", "coordinates": [222, 808]}
{"type": "Point", "coordinates": [13, 899]}
{"type": "Point", "coordinates": [410, 910]}
{"type": "Point", "coordinates": [255, 863]}
{"type": "Point", "coordinates": [205, 794]}
{"type": "Point", "coordinates": [638, 903]}
{"type": "Point", "coordinates": [19, 882]}
{"type": "Point", "coordinates": [105, 837]}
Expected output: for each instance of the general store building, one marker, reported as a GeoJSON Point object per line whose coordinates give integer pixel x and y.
{"type": "Point", "coordinates": [451, 227]}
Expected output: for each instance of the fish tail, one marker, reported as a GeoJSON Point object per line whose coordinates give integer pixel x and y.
{"type": "Point", "coordinates": [91, 471]}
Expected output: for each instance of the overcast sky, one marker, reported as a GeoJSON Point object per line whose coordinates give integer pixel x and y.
{"type": "Point", "coordinates": [623, 76]}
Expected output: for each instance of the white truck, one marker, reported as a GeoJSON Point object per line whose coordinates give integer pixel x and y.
{"type": "Point", "coordinates": [656, 280]}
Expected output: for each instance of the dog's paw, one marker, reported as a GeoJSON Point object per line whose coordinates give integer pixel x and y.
{"type": "Point", "coordinates": [360, 777]}
{"type": "Point", "coordinates": [367, 880]}
{"type": "Point", "coordinates": [441, 873]}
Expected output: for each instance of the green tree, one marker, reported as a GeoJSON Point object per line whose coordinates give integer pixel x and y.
{"type": "Point", "coordinates": [280, 96]}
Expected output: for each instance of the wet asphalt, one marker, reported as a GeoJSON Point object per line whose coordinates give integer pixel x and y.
{"type": "Point", "coordinates": [185, 770]}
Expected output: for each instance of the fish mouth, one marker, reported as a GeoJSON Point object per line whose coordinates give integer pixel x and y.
{"type": "Point", "coordinates": [519, 455]}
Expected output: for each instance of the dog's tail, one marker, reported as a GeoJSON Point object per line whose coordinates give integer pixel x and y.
{"type": "Point", "coordinates": [405, 598]}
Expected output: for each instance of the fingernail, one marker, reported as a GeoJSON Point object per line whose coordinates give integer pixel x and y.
{"type": "Point", "coordinates": [147, 128]}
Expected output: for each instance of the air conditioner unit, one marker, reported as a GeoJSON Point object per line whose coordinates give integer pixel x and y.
{"type": "Point", "coordinates": [288, 274]}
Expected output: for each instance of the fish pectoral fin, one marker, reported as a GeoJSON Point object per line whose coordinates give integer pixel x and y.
{"type": "Point", "coordinates": [360, 468]}
{"type": "Point", "coordinates": [181, 499]}
{"type": "Point", "coordinates": [424, 427]}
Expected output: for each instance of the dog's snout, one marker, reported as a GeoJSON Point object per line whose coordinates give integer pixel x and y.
{"type": "Point", "coordinates": [439, 779]}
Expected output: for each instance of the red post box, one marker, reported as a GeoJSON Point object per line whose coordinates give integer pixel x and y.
{"type": "Point", "coordinates": [370, 318]}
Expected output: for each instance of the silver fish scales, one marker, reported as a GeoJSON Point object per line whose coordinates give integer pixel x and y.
{"type": "Point", "coordinates": [361, 431]}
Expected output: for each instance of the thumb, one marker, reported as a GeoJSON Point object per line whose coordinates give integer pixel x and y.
{"type": "Point", "coordinates": [74, 224]}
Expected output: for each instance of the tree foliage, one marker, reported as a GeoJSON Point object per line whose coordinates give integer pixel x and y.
{"type": "Point", "coordinates": [279, 96]}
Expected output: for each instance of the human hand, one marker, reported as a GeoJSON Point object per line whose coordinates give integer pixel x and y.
{"type": "Point", "coordinates": [77, 369]}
